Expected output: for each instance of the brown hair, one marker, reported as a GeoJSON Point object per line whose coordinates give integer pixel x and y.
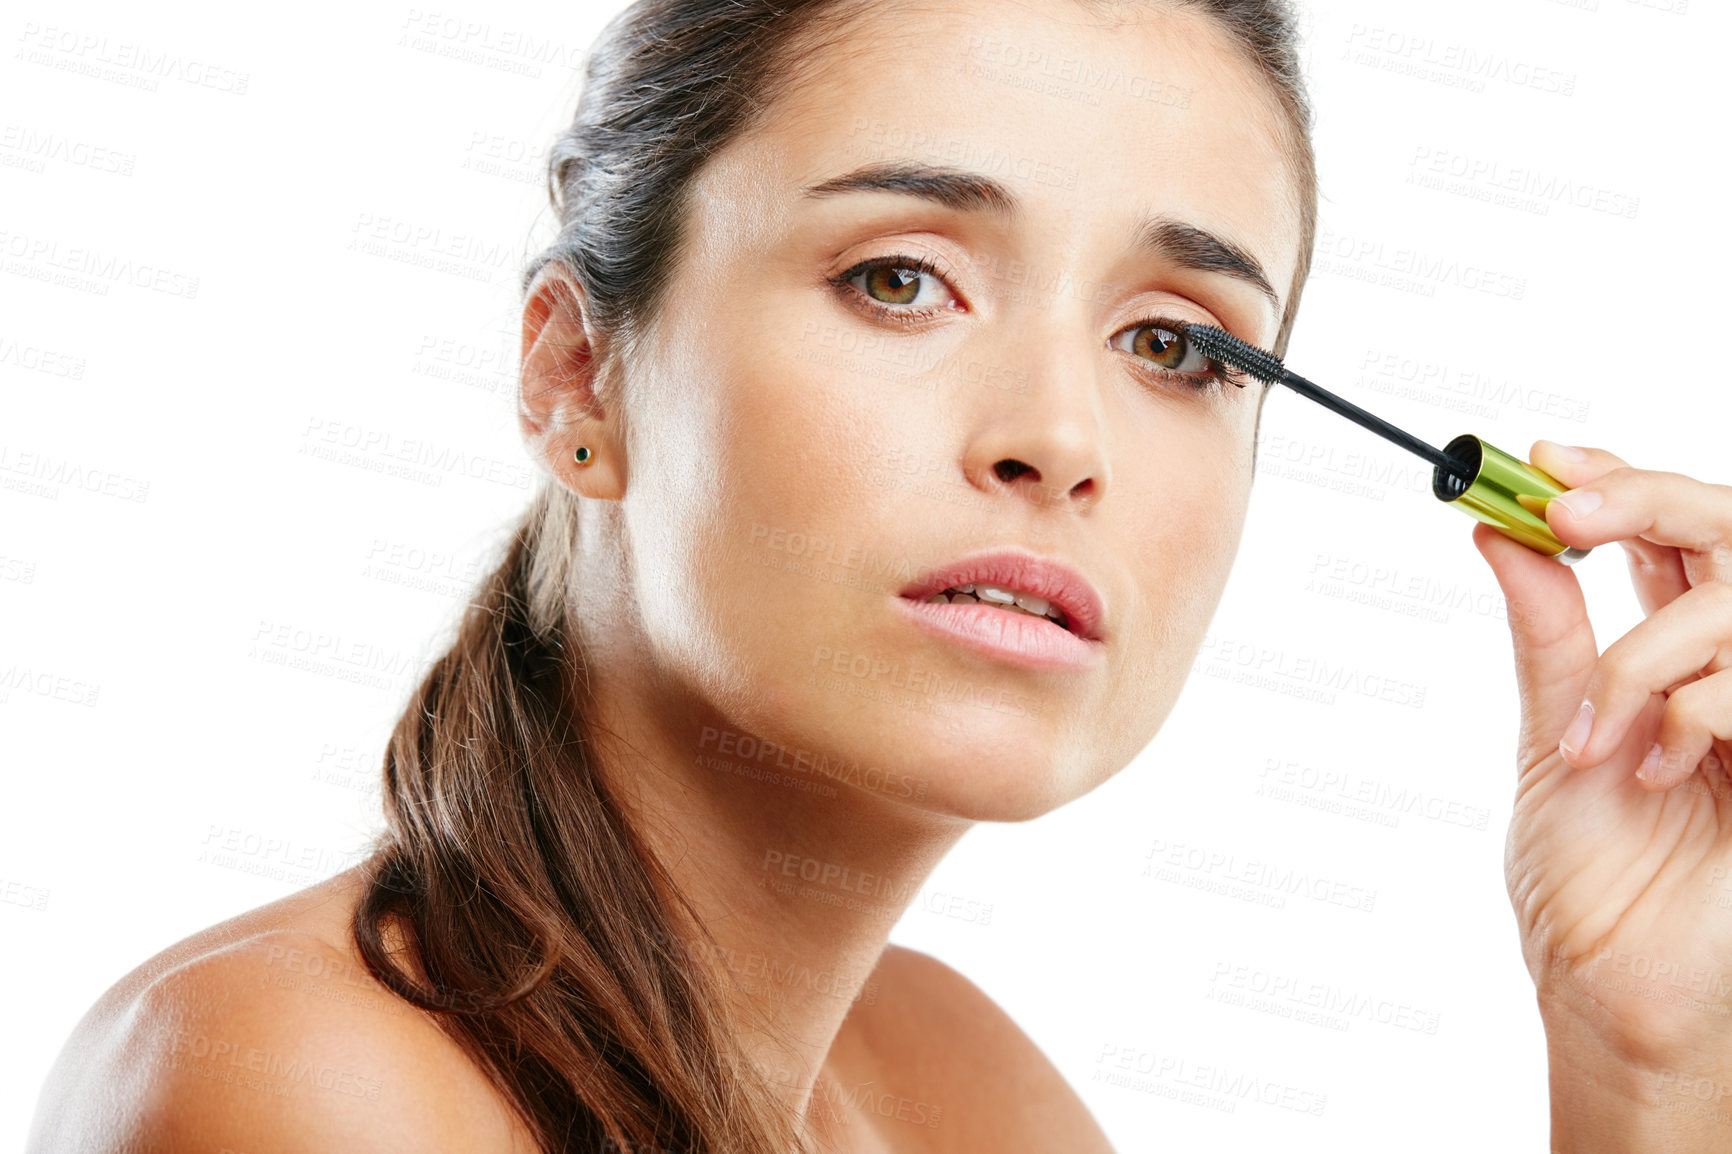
{"type": "Point", "coordinates": [536, 926]}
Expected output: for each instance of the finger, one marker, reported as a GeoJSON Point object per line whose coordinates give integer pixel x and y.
{"type": "Point", "coordinates": [1653, 506]}
{"type": "Point", "coordinates": [1557, 460]}
{"type": "Point", "coordinates": [1677, 642]}
{"type": "Point", "coordinates": [1656, 571]}
{"type": "Point", "coordinates": [1695, 716]}
{"type": "Point", "coordinates": [1552, 636]}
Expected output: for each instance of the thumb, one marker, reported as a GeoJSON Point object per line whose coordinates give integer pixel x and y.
{"type": "Point", "coordinates": [1554, 644]}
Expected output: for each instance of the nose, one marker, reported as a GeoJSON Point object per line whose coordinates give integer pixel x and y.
{"type": "Point", "coordinates": [1046, 440]}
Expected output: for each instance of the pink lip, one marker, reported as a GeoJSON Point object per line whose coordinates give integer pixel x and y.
{"type": "Point", "coordinates": [1026, 640]}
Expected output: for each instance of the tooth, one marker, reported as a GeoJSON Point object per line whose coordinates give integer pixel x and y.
{"type": "Point", "coordinates": [999, 597]}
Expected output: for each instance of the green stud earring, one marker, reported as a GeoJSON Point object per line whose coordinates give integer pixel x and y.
{"type": "Point", "coordinates": [583, 456]}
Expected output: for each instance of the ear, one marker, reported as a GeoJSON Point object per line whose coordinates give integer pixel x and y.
{"type": "Point", "coordinates": [558, 408]}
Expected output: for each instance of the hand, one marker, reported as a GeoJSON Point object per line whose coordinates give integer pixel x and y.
{"type": "Point", "coordinates": [1620, 866]}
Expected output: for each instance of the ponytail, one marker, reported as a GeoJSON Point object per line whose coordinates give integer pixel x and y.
{"type": "Point", "coordinates": [531, 918]}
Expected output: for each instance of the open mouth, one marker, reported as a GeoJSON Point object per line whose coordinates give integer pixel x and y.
{"type": "Point", "coordinates": [1001, 597]}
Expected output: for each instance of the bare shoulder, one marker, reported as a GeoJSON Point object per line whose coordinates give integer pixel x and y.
{"type": "Point", "coordinates": [265, 1032]}
{"type": "Point", "coordinates": [937, 1039]}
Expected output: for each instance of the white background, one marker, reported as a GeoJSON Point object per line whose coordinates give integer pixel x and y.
{"type": "Point", "coordinates": [167, 726]}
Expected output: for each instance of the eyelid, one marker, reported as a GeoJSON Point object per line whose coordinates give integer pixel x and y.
{"type": "Point", "coordinates": [910, 250]}
{"type": "Point", "coordinates": [1164, 315]}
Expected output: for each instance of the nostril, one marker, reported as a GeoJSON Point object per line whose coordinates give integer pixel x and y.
{"type": "Point", "coordinates": [1010, 470]}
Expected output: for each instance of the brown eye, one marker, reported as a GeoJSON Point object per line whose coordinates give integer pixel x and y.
{"type": "Point", "coordinates": [1164, 347]}
{"type": "Point", "coordinates": [892, 285]}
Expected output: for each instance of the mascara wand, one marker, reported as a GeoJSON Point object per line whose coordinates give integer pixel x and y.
{"type": "Point", "coordinates": [1475, 476]}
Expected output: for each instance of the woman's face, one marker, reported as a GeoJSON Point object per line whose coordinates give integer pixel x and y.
{"type": "Point", "coordinates": [809, 439]}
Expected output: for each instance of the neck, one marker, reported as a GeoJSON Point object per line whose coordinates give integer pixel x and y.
{"type": "Point", "coordinates": [796, 862]}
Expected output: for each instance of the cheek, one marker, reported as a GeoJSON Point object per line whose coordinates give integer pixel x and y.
{"type": "Point", "coordinates": [690, 461]}
{"type": "Point", "coordinates": [1186, 536]}
{"type": "Point", "coordinates": [830, 436]}
{"type": "Point", "coordinates": [770, 495]}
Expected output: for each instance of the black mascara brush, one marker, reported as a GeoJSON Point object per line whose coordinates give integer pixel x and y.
{"type": "Point", "coordinates": [1475, 476]}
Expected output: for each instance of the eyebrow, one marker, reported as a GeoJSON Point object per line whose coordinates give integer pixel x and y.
{"type": "Point", "coordinates": [1184, 244]}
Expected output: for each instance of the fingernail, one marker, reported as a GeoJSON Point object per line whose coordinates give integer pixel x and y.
{"type": "Point", "coordinates": [1576, 736]}
{"type": "Point", "coordinates": [1650, 764]}
{"type": "Point", "coordinates": [1580, 502]}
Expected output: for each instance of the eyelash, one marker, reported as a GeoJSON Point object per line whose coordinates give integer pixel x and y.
{"type": "Point", "coordinates": [1214, 377]}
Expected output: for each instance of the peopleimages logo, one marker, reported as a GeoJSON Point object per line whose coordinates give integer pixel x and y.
{"type": "Point", "coordinates": [1208, 1085]}
{"type": "Point", "coordinates": [1453, 65]}
{"type": "Point", "coordinates": [745, 747]}
{"type": "Point", "coordinates": [1364, 258]}
{"type": "Point", "coordinates": [89, 269]}
{"type": "Point", "coordinates": [1259, 882]}
{"type": "Point", "coordinates": [121, 61]}
{"type": "Point", "coordinates": [382, 450]}
{"type": "Point", "coordinates": [1523, 182]}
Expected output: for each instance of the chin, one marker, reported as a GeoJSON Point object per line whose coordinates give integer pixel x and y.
{"type": "Point", "coordinates": [995, 770]}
